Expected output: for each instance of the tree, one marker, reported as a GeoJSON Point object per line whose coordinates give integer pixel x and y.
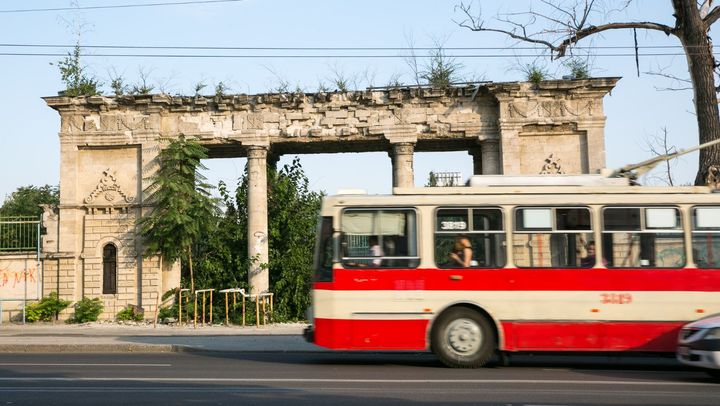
{"type": "Point", "coordinates": [292, 220]}
{"type": "Point", "coordinates": [73, 73]}
{"type": "Point", "coordinates": [26, 201]}
{"type": "Point", "coordinates": [568, 25]}
{"type": "Point", "coordinates": [222, 260]}
{"type": "Point", "coordinates": [182, 208]}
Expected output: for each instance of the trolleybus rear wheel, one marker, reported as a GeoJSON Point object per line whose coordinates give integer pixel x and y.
{"type": "Point", "coordinates": [462, 338]}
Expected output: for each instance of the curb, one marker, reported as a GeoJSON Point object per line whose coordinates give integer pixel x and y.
{"type": "Point", "coordinates": [86, 348]}
{"type": "Point", "coordinates": [132, 348]}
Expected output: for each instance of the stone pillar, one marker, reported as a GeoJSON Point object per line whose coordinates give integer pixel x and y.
{"type": "Point", "coordinates": [258, 278]}
{"type": "Point", "coordinates": [510, 148]}
{"type": "Point", "coordinates": [490, 158]}
{"type": "Point", "coordinates": [592, 150]}
{"type": "Point", "coordinates": [402, 164]}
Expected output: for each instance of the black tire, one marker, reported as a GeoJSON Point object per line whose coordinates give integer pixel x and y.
{"type": "Point", "coordinates": [463, 338]}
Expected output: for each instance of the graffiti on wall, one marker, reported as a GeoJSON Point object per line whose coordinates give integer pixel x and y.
{"type": "Point", "coordinates": [18, 279]}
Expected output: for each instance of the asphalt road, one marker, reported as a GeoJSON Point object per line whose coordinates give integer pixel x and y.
{"type": "Point", "coordinates": [344, 379]}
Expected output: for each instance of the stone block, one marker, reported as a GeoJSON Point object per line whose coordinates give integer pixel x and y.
{"type": "Point", "coordinates": [362, 114]}
{"type": "Point", "coordinates": [336, 114]}
{"type": "Point", "coordinates": [416, 118]}
{"type": "Point", "coordinates": [294, 116]}
{"type": "Point", "coordinates": [328, 122]}
{"type": "Point", "coordinates": [269, 117]}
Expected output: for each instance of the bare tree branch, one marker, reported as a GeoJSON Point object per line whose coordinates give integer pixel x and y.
{"type": "Point", "coordinates": [476, 24]}
{"type": "Point", "coordinates": [571, 21]}
{"type": "Point", "coordinates": [705, 8]}
{"type": "Point", "coordinates": [591, 30]}
{"type": "Point", "coordinates": [658, 145]}
{"type": "Point", "coordinates": [577, 29]}
{"type": "Point", "coordinates": [712, 17]}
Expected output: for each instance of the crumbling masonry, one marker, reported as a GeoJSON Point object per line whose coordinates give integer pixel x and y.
{"type": "Point", "coordinates": [109, 145]}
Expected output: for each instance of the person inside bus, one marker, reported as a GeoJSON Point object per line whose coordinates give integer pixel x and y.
{"type": "Point", "coordinates": [588, 260]}
{"type": "Point", "coordinates": [462, 253]}
{"type": "Point", "coordinates": [375, 250]}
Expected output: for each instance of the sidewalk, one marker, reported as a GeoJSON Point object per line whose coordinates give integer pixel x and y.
{"type": "Point", "coordinates": [111, 337]}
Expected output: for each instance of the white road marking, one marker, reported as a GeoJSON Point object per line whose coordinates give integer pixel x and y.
{"type": "Point", "coordinates": [25, 364]}
{"type": "Point", "coordinates": [377, 381]}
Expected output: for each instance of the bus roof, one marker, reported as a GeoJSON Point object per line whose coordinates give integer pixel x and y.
{"type": "Point", "coordinates": [546, 180]}
{"type": "Point", "coordinates": [550, 190]}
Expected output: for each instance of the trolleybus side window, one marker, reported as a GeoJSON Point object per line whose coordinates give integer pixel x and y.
{"type": "Point", "coordinates": [379, 238]}
{"type": "Point", "coordinates": [638, 237]}
{"type": "Point", "coordinates": [706, 236]}
{"type": "Point", "coordinates": [553, 237]}
{"type": "Point", "coordinates": [324, 250]}
{"type": "Point", "coordinates": [469, 237]}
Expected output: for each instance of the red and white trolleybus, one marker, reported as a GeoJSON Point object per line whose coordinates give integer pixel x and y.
{"type": "Point", "coordinates": [586, 264]}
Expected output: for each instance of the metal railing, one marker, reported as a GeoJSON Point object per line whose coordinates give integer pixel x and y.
{"type": "Point", "coordinates": [19, 234]}
{"type": "Point", "coordinates": [446, 179]}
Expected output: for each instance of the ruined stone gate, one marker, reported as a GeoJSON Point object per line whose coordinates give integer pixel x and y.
{"type": "Point", "coordinates": [109, 145]}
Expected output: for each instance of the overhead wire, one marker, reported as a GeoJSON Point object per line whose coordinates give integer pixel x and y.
{"type": "Point", "coordinates": [344, 52]}
{"type": "Point", "coordinates": [326, 56]}
{"type": "Point", "coordinates": [361, 48]}
{"type": "Point", "coordinates": [161, 4]}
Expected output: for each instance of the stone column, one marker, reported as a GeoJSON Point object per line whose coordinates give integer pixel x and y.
{"type": "Point", "coordinates": [402, 164]}
{"type": "Point", "coordinates": [592, 153]}
{"type": "Point", "coordinates": [476, 154]}
{"type": "Point", "coordinates": [258, 278]}
{"type": "Point", "coordinates": [490, 158]}
{"type": "Point", "coordinates": [510, 147]}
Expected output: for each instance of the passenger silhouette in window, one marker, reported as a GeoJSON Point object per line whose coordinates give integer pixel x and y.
{"type": "Point", "coordinates": [461, 255]}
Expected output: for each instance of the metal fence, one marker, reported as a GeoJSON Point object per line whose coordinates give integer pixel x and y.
{"type": "Point", "coordinates": [19, 234]}
{"type": "Point", "coordinates": [446, 179]}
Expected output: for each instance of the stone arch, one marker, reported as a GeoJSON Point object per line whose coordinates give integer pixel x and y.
{"type": "Point", "coordinates": [109, 146]}
{"type": "Point", "coordinates": [118, 243]}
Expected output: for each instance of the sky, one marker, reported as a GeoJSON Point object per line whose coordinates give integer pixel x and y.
{"type": "Point", "coordinates": [637, 109]}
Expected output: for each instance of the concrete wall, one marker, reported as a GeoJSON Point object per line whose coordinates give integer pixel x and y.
{"type": "Point", "coordinates": [20, 279]}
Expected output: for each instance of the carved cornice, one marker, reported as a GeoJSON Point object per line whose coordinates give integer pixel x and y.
{"type": "Point", "coordinates": [158, 103]}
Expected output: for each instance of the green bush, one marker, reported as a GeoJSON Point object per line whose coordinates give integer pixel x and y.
{"type": "Point", "coordinates": [131, 313]}
{"type": "Point", "coordinates": [46, 309]}
{"type": "Point", "coordinates": [87, 310]}
{"type": "Point", "coordinates": [169, 312]}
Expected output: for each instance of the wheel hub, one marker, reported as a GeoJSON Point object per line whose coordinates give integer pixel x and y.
{"type": "Point", "coordinates": [464, 336]}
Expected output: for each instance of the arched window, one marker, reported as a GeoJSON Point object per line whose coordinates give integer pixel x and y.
{"type": "Point", "coordinates": [109, 269]}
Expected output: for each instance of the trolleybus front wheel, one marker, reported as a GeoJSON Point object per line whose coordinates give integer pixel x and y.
{"type": "Point", "coordinates": [462, 338]}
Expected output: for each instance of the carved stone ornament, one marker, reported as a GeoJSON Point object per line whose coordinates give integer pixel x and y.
{"type": "Point", "coordinates": [549, 109]}
{"type": "Point", "coordinates": [109, 189]}
{"type": "Point", "coordinates": [552, 166]}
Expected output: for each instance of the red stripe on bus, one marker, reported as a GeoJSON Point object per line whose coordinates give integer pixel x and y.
{"type": "Point", "coordinates": [526, 279]}
{"type": "Point", "coordinates": [591, 336]}
{"type": "Point", "coordinates": [358, 334]}
{"type": "Point", "coordinates": [399, 334]}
